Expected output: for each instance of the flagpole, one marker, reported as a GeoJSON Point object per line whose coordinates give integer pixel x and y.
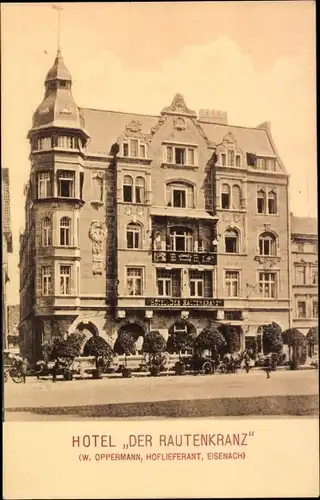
{"type": "Point", "coordinates": [58, 9]}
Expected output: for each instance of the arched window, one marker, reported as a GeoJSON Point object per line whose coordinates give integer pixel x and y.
{"type": "Point", "coordinates": [261, 201]}
{"type": "Point", "coordinates": [140, 190]}
{"type": "Point", "coordinates": [181, 239]}
{"type": "Point", "coordinates": [133, 235]}
{"type": "Point", "coordinates": [272, 202]}
{"type": "Point", "coordinates": [267, 244]}
{"type": "Point", "coordinates": [128, 189]}
{"type": "Point", "coordinates": [180, 195]}
{"type": "Point", "coordinates": [46, 232]}
{"type": "Point", "coordinates": [65, 231]}
{"type": "Point", "coordinates": [231, 240]}
{"type": "Point", "coordinates": [236, 196]}
{"type": "Point", "coordinates": [225, 196]}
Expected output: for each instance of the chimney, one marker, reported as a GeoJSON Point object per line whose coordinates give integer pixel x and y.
{"type": "Point", "coordinates": [213, 116]}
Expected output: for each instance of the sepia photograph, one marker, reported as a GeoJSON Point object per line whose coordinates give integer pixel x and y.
{"type": "Point", "coordinates": [159, 211]}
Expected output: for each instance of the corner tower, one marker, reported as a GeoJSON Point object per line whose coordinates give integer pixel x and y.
{"type": "Point", "coordinates": [58, 140]}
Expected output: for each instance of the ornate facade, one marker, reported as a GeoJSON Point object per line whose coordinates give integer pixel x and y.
{"type": "Point", "coordinates": [138, 222]}
{"type": "Point", "coordinates": [6, 250]}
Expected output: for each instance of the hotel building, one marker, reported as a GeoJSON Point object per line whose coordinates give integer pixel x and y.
{"type": "Point", "coordinates": [138, 222]}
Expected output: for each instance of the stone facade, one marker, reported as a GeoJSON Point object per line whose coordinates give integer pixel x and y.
{"type": "Point", "coordinates": [137, 222]}
{"type": "Point", "coordinates": [6, 249]}
{"type": "Point", "coordinates": [304, 234]}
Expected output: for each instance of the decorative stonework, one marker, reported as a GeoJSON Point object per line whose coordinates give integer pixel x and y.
{"type": "Point", "coordinates": [179, 107]}
{"type": "Point", "coordinates": [267, 262]}
{"type": "Point", "coordinates": [158, 125]}
{"type": "Point", "coordinates": [139, 211]}
{"type": "Point", "coordinates": [128, 211]}
{"type": "Point", "coordinates": [97, 235]}
{"type": "Point", "coordinates": [133, 129]}
{"type": "Point", "coordinates": [180, 123]}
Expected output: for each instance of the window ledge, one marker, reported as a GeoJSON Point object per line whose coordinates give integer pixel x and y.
{"type": "Point", "coordinates": [267, 259]}
{"type": "Point", "coordinates": [237, 254]}
{"type": "Point", "coordinates": [179, 166]}
{"type": "Point", "coordinates": [267, 214]}
{"type": "Point", "coordinates": [241, 210]}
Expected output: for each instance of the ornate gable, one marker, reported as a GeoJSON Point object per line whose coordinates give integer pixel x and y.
{"type": "Point", "coordinates": [178, 107]}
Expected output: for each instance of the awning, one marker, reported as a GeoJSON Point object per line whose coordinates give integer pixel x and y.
{"type": "Point", "coordinates": [182, 213]}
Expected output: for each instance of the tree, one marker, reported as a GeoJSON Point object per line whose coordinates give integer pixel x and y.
{"type": "Point", "coordinates": [125, 344]}
{"type": "Point", "coordinates": [68, 348]}
{"type": "Point", "coordinates": [297, 345]}
{"type": "Point", "coordinates": [209, 339]}
{"type": "Point", "coordinates": [232, 338]}
{"type": "Point", "coordinates": [99, 348]}
{"type": "Point", "coordinates": [272, 339]}
{"type": "Point", "coordinates": [179, 341]}
{"type": "Point", "coordinates": [154, 344]}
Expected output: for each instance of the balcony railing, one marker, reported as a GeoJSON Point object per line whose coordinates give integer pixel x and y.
{"type": "Point", "coordinates": [171, 257]}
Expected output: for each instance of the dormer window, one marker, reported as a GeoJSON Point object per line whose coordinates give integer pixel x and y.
{"type": "Point", "coordinates": [133, 148]}
{"type": "Point", "coordinates": [267, 164]}
{"type": "Point", "coordinates": [66, 184]}
{"type": "Point", "coordinates": [180, 155]}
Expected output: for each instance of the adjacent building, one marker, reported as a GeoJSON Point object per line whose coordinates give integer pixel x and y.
{"type": "Point", "coordinates": [304, 235]}
{"type": "Point", "coordinates": [138, 222]}
{"type": "Point", "coordinates": [6, 249]}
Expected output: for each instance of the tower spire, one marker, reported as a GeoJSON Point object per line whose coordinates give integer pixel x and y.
{"type": "Point", "coordinates": [58, 9]}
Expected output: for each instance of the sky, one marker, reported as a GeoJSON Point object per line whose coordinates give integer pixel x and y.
{"type": "Point", "coordinates": [255, 60]}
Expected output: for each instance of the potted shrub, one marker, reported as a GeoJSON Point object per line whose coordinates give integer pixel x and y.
{"type": "Point", "coordinates": [125, 344]}
{"type": "Point", "coordinates": [297, 347]}
{"type": "Point", "coordinates": [66, 350]}
{"type": "Point", "coordinates": [209, 339]}
{"type": "Point", "coordinates": [272, 343]}
{"type": "Point", "coordinates": [177, 342]}
{"type": "Point", "coordinates": [99, 348]}
{"type": "Point", "coordinates": [154, 344]}
{"type": "Point", "coordinates": [312, 340]}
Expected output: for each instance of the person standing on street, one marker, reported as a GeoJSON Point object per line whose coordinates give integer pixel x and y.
{"type": "Point", "coordinates": [268, 366]}
{"type": "Point", "coordinates": [24, 368]}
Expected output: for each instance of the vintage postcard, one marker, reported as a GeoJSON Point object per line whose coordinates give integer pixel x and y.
{"type": "Point", "coordinates": [160, 250]}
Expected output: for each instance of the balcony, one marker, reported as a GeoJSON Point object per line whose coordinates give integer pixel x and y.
{"type": "Point", "coordinates": [197, 258]}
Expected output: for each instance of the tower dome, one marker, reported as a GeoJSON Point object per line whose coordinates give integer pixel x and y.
{"type": "Point", "coordinates": [58, 108]}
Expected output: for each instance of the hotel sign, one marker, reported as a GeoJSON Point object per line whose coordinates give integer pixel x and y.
{"type": "Point", "coordinates": [185, 258]}
{"type": "Point", "coordinates": [181, 302]}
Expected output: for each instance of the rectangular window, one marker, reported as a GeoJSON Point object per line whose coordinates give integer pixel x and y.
{"type": "Point", "coordinates": [142, 150]}
{"type": "Point", "coordinates": [315, 309]}
{"type": "Point", "coordinates": [302, 313]}
{"type": "Point", "coordinates": [125, 147]}
{"type": "Point", "coordinates": [223, 159]}
{"type": "Point", "coordinates": [300, 275]}
{"type": "Point", "coordinates": [179, 198]}
{"type": "Point", "coordinates": [261, 206]}
{"type": "Point", "coordinates": [196, 283]}
{"type": "Point", "coordinates": [271, 164]}
{"type": "Point", "coordinates": [232, 283]}
{"type": "Point", "coordinates": [46, 280]}
{"type": "Point", "coordinates": [230, 154]}
{"type": "Point", "coordinates": [238, 161]}
{"type": "Point", "coordinates": [169, 158]}
{"type": "Point", "coordinates": [164, 283]}
{"type": "Point", "coordinates": [267, 285]}
{"type": "Point", "coordinates": [272, 203]}
{"type": "Point", "coordinates": [300, 247]}
{"type": "Point", "coordinates": [66, 184]}
{"type": "Point", "coordinates": [134, 281]}
{"type": "Point", "coordinates": [180, 156]}
{"type": "Point", "coordinates": [261, 163]}
{"type": "Point", "coordinates": [134, 148]}
{"type": "Point", "coordinates": [65, 280]}
{"type": "Point", "coordinates": [315, 247]}
{"type": "Point", "coordinates": [44, 185]}
{"type": "Point", "coordinates": [190, 156]}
